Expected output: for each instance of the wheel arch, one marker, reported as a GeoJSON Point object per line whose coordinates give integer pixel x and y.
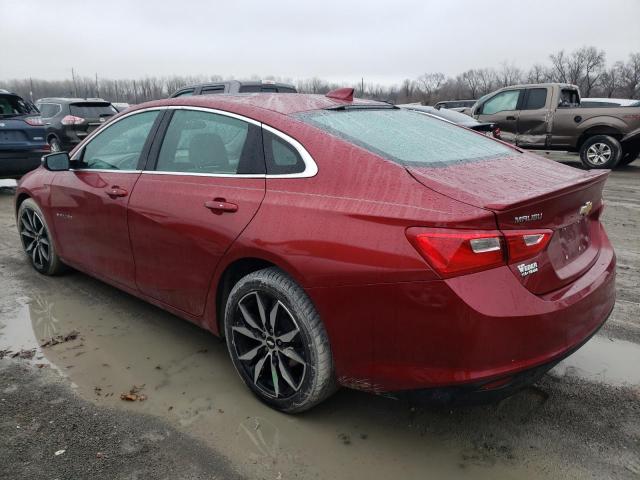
{"type": "Point", "coordinates": [599, 130]}
{"type": "Point", "coordinates": [21, 197]}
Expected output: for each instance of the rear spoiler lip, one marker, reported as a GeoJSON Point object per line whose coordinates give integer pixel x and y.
{"type": "Point", "coordinates": [593, 178]}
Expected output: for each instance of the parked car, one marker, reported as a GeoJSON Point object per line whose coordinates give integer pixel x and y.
{"type": "Point", "coordinates": [69, 120]}
{"type": "Point", "coordinates": [455, 104]}
{"type": "Point", "coordinates": [458, 118]}
{"type": "Point", "coordinates": [234, 86]}
{"type": "Point", "coordinates": [549, 116]}
{"type": "Point", "coordinates": [608, 102]}
{"type": "Point", "coordinates": [334, 241]}
{"type": "Point", "coordinates": [22, 139]}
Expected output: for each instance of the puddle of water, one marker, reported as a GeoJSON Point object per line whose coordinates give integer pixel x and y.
{"type": "Point", "coordinates": [189, 380]}
{"type": "Point", "coordinates": [604, 360]}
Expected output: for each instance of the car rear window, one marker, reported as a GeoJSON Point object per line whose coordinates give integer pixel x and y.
{"type": "Point", "coordinates": [92, 110]}
{"type": "Point", "coordinates": [405, 137]}
{"type": "Point", "coordinates": [12, 105]}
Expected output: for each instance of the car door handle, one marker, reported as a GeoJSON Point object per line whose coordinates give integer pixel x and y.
{"type": "Point", "coordinates": [114, 191]}
{"type": "Point", "coordinates": [221, 205]}
{"type": "Point", "coordinates": [511, 118]}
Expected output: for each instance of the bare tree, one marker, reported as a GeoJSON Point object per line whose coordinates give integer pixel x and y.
{"type": "Point", "coordinates": [429, 84]}
{"type": "Point", "coordinates": [630, 76]}
{"type": "Point", "coordinates": [509, 75]}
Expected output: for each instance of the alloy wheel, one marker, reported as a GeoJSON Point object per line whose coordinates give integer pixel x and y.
{"type": "Point", "coordinates": [269, 345]}
{"type": "Point", "coordinates": [35, 238]}
{"type": "Point", "coordinates": [599, 153]}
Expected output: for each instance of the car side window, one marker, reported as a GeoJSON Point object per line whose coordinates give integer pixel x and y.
{"type": "Point", "coordinates": [212, 90]}
{"type": "Point", "coordinates": [503, 101]}
{"type": "Point", "coordinates": [48, 110]}
{"type": "Point", "coordinates": [184, 93]}
{"type": "Point", "coordinates": [118, 146]}
{"type": "Point", "coordinates": [209, 143]}
{"type": "Point", "coordinates": [536, 99]}
{"type": "Point", "coordinates": [280, 156]}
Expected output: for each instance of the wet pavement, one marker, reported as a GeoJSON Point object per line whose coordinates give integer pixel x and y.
{"type": "Point", "coordinates": [581, 421]}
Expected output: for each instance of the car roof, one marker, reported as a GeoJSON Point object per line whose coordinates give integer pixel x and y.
{"type": "Point", "coordinates": [283, 103]}
{"type": "Point", "coordinates": [237, 82]}
{"type": "Point", "coordinates": [71, 100]}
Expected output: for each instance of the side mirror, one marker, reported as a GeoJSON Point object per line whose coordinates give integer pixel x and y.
{"type": "Point", "coordinates": [56, 162]}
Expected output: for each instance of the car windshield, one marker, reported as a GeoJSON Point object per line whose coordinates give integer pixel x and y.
{"type": "Point", "coordinates": [406, 137]}
{"type": "Point", "coordinates": [12, 105]}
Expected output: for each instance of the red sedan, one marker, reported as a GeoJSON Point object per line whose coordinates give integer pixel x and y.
{"type": "Point", "coordinates": [333, 241]}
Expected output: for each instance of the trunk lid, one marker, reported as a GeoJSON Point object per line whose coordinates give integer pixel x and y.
{"type": "Point", "coordinates": [528, 193]}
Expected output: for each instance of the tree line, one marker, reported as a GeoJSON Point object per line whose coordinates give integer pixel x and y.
{"type": "Point", "coordinates": [586, 67]}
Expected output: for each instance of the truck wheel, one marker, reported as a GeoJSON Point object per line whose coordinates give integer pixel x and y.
{"type": "Point", "coordinates": [600, 151]}
{"type": "Point", "coordinates": [629, 158]}
{"type": "Point", "coordinates": [277, 342]}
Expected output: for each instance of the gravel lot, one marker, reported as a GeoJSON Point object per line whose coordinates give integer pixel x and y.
{"type": "Point", "coordinates": [197, 420]}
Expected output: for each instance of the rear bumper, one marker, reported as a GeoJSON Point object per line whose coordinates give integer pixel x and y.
{"type": "Point", "coordinates": [465, 331]}
{"type": "Point", "coordinates": [19, 162]}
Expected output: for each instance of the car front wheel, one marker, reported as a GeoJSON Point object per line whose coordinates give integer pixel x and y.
{"type": "Point", "coordinates": [36, 239]}
{"type": "Point", "coordinates": [600, 151]}
{"type": "Point", "coordinates": [277, 342]}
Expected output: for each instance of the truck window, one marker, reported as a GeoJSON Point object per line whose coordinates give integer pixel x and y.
{"type": "Point", "coordinates": [569, 98]}
{"type": "Point", "coordinates": [536, 99]}
{"type": "Point", "coordinates": [504, 101]}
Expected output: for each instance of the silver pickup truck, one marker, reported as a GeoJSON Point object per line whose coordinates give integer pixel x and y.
{"type": "Point", "coordinates": [548, 116]}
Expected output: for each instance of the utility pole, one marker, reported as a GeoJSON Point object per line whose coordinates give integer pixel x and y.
{"type": "Point", "coordinates": [362, 86]}
{"type": "Point", "coordinates": [75, 86]}
{"type": "Point", "coordinates": [97, 87]}
{"type": "Point", "coordinates": [31, 89]}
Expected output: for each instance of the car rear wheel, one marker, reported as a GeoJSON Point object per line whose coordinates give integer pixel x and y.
{"type": "Point", "coordinates": [600, 151]}
{"type": "Point", "coordinates": [277, 342]}
{"type": "Point", "coordinates": [54, 143]}
{"type": "Point", "coordinates": [36, 239]}
{"type": "Point", "coordinates": [628, 158]}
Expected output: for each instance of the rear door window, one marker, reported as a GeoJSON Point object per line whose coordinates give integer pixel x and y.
{"type": "Point", "coordinates": [536, 99]}
{"type": "Point", "coordinates": [406, 137]}
{"type": "Point", "coordinates": [503, 101]}
{"type": "Point", "coordinates": [92, 110]}
{"type": "Point", "coordinates": [208, 143]}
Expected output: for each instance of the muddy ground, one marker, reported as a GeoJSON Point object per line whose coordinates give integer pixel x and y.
{"type": "Point", "coordinates": [197, 420]}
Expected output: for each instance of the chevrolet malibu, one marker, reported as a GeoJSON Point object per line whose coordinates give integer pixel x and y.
{"type": "Point", "coordinates": [333, 242]}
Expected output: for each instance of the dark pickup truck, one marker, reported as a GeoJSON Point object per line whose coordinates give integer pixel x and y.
{"type": "Point", "coordinates": [548, 116]}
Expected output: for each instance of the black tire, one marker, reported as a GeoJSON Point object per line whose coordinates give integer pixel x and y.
{"type": "Point", "coordinates": [628, 158]}
{"type": "Point", "coordinates": [55, 145]}
{"type": "Point", "coordinates": [287, 358]}
{"type": "Point", "coordinates": [600, 151]}
{"type": "Point", "coordinates": [36, 239]}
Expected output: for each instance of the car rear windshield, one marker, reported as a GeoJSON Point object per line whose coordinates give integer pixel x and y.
{"type": "Point", "coordinates": [92, 110]}
{"type": "Point", "coordinates": [12, 106]}
{"type": "Point", "coordinates": [405, 137]}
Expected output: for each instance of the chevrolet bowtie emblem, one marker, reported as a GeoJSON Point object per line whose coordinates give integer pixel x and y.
{"type": "Point", "coordinates": [586, 209]}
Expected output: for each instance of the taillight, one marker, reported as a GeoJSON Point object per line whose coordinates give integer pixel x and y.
{"type": "Point", "coordinates": [523, 244]}
{"type": "Point", "coordinates": [34, 121]}
{"type": "Point", "coordinates": [71, 120]}
{"type": "Point", "coordinates": [459, 252]}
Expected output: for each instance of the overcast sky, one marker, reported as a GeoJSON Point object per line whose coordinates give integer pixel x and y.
{"type": "Point", "coordinates": [382, 41]}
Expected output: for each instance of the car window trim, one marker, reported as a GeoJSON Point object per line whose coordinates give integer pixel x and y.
{"type": "Point", "coordinates": [310, 170]}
